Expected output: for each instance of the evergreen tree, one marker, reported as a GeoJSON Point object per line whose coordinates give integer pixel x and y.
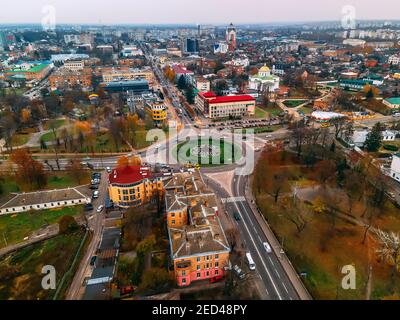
{"type": "Point", "coordinates": [374, 139]}
{"type": "Point", "coordinates": [181, 83]}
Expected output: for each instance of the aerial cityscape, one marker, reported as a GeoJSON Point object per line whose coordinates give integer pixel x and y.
{"type": "Point", "coordinates": [167, 151]}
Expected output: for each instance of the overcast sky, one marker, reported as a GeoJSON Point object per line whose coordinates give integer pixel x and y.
{"type": "Point", "coordinates": [193, 11]}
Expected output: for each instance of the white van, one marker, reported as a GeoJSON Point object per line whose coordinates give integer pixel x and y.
{"type": "Point", "coordinates": [250, 261]}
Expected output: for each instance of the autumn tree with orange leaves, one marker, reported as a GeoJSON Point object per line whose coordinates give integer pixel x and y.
{"type": "Point", "coordinates": [30, 173]}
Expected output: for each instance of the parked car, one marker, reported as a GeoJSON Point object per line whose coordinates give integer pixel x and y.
{"type": "Point", "coordinates": [93, 260]}
{"type": "Point", "coordinates": [216, 279]}
{"type": "Point", "coordinates": [100, 208]}
{"type": "Point", "coordinates": [238, 271]}
{"type": "Point", "coordinates": [108, 169]}
{"type": "Point", "coordinates": [96, 194]}
{"type": "Point", "coordinates": [88, 207]}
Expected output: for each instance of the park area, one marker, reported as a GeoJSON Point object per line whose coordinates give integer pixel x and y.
{"type": "Point", "coordinates": [327, 216]}
{"type": "Point", "coordinates": [14, 228]}
{"type": "Point", "coordinates": [21, 271]}
{"type": "Point", "coordinates": [143, 259]}
{"type": "Point", "coordinates": [294, 103]}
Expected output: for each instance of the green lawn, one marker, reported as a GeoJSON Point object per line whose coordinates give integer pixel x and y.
{"type": "Point", "coordinates": [19, 139]}
{"type": "Point", "coordinates": [293, 103]}
{"type": "Point", "coordinates": [261, 113]}
{"type": "Point", "coordinates": [306, 110]}
{"type": "Point", "coordinates": [48, 137]}
{"type": "Point", "coordinates": [274, 112]}
{"type": "Point", "coordinates": [21, 275]}
{"type": "Point", "coordinates": [14, 228]}
{"type": "Point", "coordinates": [58, 123]}
{"type": "Point", "coordinates": [263, 129]}
{"type": "Point", "coordinates": [184, 153]}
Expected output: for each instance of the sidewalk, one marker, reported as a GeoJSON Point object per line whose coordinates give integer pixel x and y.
{"type": "Point", "coordinates": [285, 262]}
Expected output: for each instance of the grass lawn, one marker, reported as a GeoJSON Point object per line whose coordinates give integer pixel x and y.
{"type": "Point", "coordinates": [306, 110]}
{"type": "Point", "coordinates": [261, 113]}
{"type": "Point", "coordinates": [326, 245]}
{"type": "Point", "coordinates": [184, 152]}
{"type": "Point", "coordinates": [58, 123]}
{"type": "Point", "coordinates": [19, 139]}
{"type": "Point", "coordinates": [21, 271]}
{"type": "Point", "coordinates": [63, 180]}
{"type": "Point", "coordinates": [264, 129]}
{"type": "Point", "coordinates": [48, 137]}
{"type": "Point", "coordinates": [274, 111]}
{"type": "Point", "coordinates": [293, 103]}
{"type": "Point", "coordinates": [14, 228]}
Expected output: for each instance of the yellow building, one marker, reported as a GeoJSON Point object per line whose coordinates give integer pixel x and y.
{"type": "Point", "coordinates": [199, 248]}
{"type": "Point", "coordinates": [158, 111]}
{"type": "Point", "coordinates": [131, 186]}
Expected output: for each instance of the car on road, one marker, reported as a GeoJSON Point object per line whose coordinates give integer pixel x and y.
{"type": "Point", "coordinates": [93, 260]}
{"type": "Point", "coordinates": [100, 208]}
{"type": "Point", "coordinates": [108, 169]}
{"type": "Point", "coordinates": [88, 207]}
{"type": "Point", "coordinates": [238, 272]}
{"type": "Point", "coordinates": [267, 247]}
{"type": "Point", "coordinates": [237, 217]}
{"type": "Point", "coordinates": [269, 136]}
{"type": "Point", "coordinates": [96, 194]}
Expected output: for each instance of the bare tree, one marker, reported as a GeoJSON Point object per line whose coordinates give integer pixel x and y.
{"type": "Point", "coordinates": [389, 250]}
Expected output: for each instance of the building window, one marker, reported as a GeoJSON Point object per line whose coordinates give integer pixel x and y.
{"type": "Point", "coordinates": [183, 280]}
{"type": "Point", "coordinates": [198, 267]}
{"type": "Point", "coordinates": [183, 273]}
{"type": "Point", "coordinates": [198, 259]}
{"type": "Point", "coordinates": [198, 275]}
{"type": "Point", "coordinates": [216, 256]}
{"type": "Point", "coordinates": [216, 272]}
{"type": "Point", "coordinates": [173, 222]}
{"type": "Point", "coordinates": [216, 264]}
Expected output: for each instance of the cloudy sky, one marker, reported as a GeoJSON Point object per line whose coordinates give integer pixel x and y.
{"type": "Point", "coordinates": [193, 11]}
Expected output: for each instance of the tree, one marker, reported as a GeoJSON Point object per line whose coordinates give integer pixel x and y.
{"type": "Point", "coordinates": [189, 94]}
{"type": "Point", "coordinates": [389, 250]}
{"type": "Point", "coordinates": [76, 170]}
{"type": "Point", "coordinates": [122, 162]}
{"type": "Point", "coordinates": [339, 125]}
{"type": "Point", "coordinates": [25, 115]}
{"type": "Point", "coordinates": [146, 245]}
{"type": "Point", "coordinates": [29, 171]}
{"type": "Point", "coordinates": [374, 138]}
{"type": "Point", "coordinates": [157, 279]}
{"type": "Point", "coordinates": [181, 82]}
{"type": "Point", "coordinates": [220, 87]}
{"type": "Point", "coordinates": [67, 225]}
{"type": "Point", "coordinates": [276, 182]}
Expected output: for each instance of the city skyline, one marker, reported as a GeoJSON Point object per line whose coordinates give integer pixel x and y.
{"type": "Point", "coordinates": [178, 12]}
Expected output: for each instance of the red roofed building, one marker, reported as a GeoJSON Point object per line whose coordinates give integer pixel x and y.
{"type": "Point", "coordinates": [226, 106]}
{"type": "Point", "coordinates": [132, 186]}
{"type": "Point", "coordinates": [182, 71]}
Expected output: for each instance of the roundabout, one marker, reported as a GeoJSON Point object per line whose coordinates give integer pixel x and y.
{"type": "Point", "coordinates": [207, 152]}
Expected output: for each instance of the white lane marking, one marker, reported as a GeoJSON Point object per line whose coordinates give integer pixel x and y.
{"type": "Point", "coordinates": [258, 252]}
{"type": "Point", "coordinates": [285, 288]}
{"type": "Point", "coordinates": [259, 238]}
{"type": "Point", "coordinates": [277, 273]}
{"type": "Point", "coordinates": [271, 261]}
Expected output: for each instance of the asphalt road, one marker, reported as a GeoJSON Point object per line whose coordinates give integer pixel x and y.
{"type": "Point", "coordinates": [276, 284]}
{"type": "Point", "coordinates": [95, 222]}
